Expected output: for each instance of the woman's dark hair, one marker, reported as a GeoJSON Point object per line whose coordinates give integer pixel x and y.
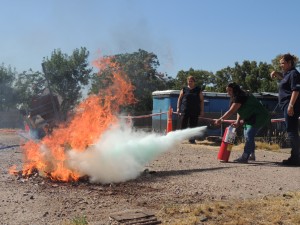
{"type": "Point", "coordinates": [236, 91]}
{"type": "Point", "coordinates": [289, 58]}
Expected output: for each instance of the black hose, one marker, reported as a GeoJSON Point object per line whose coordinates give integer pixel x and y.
{"type": "Point", "coordinates": [9, 146]}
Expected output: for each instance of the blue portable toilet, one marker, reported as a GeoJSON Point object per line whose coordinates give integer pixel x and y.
{"type": "Point", "coordinates": [162, 100]}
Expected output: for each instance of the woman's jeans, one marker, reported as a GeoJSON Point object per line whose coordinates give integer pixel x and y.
{"type": "Point", "coordinates": [291, 123]}
{"type": "Point", "coordinates": [249, 135]}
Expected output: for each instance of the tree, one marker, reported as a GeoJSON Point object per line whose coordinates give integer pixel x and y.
{"type": "Point", "coordinates": [240, 72]}
{"type": "Point", "coordinates": [67, 75]}
{"type": "Point", "coordinates": [141, 69]}
{"type": "Point", "coordinates": [221, 79]}
{"type": "Point", "coordinates": [253, 80]}
{"type": "Point", "coordinates": [250, 75]}
{"type": "Point", "coordinates": [253, 77]}
{"type": "Point", "coordinates": [27, 85]}
{"type": "Point", "coordinates": [7, 93]}
{"type": "Point", "coordinates": [267, 84]}
{"type": "Point", "coordinates": [202, 77]}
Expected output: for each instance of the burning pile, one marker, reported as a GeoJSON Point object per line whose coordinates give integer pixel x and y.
{"type": "Point", "coordinates": [95, 115]}
{"type": "Point", "coordinates": [94, 144]}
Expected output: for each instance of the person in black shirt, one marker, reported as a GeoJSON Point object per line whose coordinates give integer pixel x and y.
{"type": "Point", "coordinates": [289, 102]}
{"type": "Point", "coordinates": [190, 105]}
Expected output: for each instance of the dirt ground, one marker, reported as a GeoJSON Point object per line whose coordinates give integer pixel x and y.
{"type": "Point", "coordinates": [184, 175]}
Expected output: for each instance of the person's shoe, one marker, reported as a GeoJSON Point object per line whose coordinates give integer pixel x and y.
{"type": "Point", "coordinates": [290, 162]}
{"type": "Point", "coordinates": [192, 141]}
{"type": "Point", "coordinates": [252, 157]}
{"type": "Point", "coordinates": [242, 159]}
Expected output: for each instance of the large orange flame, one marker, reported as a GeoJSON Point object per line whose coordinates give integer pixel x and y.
{"type": "Point", "coordinates": [92, 117]}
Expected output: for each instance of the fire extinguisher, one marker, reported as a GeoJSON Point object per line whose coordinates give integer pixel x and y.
{"type": "Point", "coordinates": [227, 143]}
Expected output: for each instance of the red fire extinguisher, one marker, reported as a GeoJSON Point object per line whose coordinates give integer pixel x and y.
{"type": "Point", "coordinates": [227, 143]}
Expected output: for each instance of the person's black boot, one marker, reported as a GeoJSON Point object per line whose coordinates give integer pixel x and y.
{"type": "Point", "coordinates": [192, 141]}
{"type": "Point", "coordinates": [291, 162]}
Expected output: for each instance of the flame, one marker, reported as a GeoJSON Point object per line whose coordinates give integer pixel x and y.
{"type": "Point", "coordinates": [92, 117]}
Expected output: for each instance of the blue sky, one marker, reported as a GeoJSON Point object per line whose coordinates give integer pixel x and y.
{"type": "Point", "coordinates": [207, 35]}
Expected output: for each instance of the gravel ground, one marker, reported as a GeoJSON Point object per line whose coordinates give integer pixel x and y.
{"type": "Point", "coordinates": [186, 174]}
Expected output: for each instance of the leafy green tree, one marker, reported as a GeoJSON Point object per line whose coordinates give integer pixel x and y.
{"type": "Point", "coordinates": [67, 75]}
{"type": "Point", "coordinates": [29, 84]}
{"type": "Point", "coordinates": [141, 69]}
{"type": "Point", "coordinates": [221, 79]}
{"type": "Point", "coordinates": [240, 72]}
{"type": "Point", "coordinates": [253, 80]}
{"type": "Point", "coordinates": [7, 93]}
{"type": "Point", "coordinates": [249, 75]}
{"type": "Point", "coordinates": [267, 84]}
{"type": "Point", "coordinates": [202, 77]}
{"type": "Point", "coordinates": [253, 77]}
{"type": "Point", "coordinates": [275, 63]}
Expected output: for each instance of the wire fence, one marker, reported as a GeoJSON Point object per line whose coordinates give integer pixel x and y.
{"type": "Point", "coordinates": [272, 133]}
{"type": "Point", "coordinates": [157, 122]}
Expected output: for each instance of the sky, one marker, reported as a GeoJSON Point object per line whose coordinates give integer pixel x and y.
{"type": "Point", "coordinates": [203, 35]}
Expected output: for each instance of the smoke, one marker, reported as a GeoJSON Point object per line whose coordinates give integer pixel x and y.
{"type": "Point", "coordinates": [121, 153]}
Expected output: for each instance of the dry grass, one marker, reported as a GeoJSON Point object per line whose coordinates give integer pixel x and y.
{"type": "Point", "coordinates": [79, 220]}
{"type": "Point", "coordinates": [269, 210]}
{"type": "Point", "coordinates": [259, 146]}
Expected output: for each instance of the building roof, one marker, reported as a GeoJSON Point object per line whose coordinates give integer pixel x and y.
{"type": "Point", "coordinates": [212, 94]}
{"type": "Point", "coordinates": [166, 92]}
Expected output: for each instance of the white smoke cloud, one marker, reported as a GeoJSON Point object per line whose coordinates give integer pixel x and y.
{"type": "Point", "coordinates": [121, 153]}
